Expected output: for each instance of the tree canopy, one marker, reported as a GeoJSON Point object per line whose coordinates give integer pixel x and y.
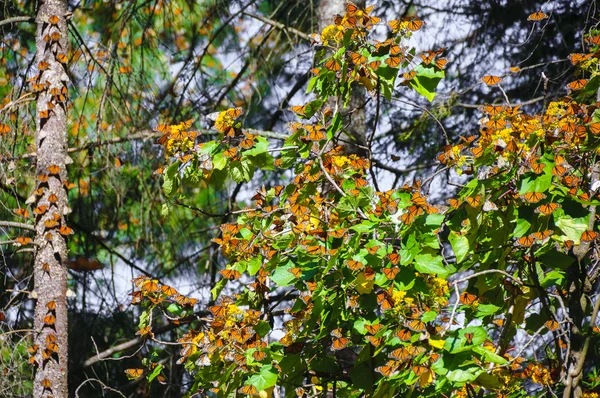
{"type": "Point", "coordinates": [203, 158]}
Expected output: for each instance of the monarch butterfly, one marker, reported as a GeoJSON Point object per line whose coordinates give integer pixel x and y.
{"type": "Point", "coordinates": [168, 290]}
{"type": "Point", "coordinates": [43, 65]}
{"type": "Point", "coordinates": [248, 390]}
{"type": "Point", "coordinates": [52, 198]}
{"type": "Point", "coordinates": [419, 370]}
{"type": "Point", "coordinates": [412, 212]}
{"type": "Point", "coordinates": [559, 170]}
{"type": "Point", "coordinates": [50, 223]}
{"type": "Point", "coordinates": [297, 272]}
{"type": "Point", "coordinates": [49, 320]}
{"type": "Point", "coordinates": [537, 168]}
{"type": "Point", "coordinates": [134, 373]}
{"type": "Point", "coordinates": [64, 230]}
{"type": "Point", "coordinates": [588, 236]}
{"type": "Point", "coordinates": [218, 310]}
{"type": "Point", "coordinates": [401, 354]}
{"type": "Point", "coordinates": [577, 84]}
{"type": "Point", "coordinates": [46, 383]}
{"type": "Point", "coordinates": [491, 110]}
{"type": "Point", "coordinates": [374, 64]}
{"type": "Point", "coordinates": [551, 324]}
{"type": "Point", "coordinates": [333, 65]}
{"type": "Point", "coordinates": [595, 40]}
{"type": "Point", "coordinates": [533, 197]}
{"type": "Point", "coordinates": [231, 152]}
{"type": "Point", "coordinates": [373, 329]}
{"type": "Point", "coordinates": [395, 49]}
{"type": "Point", "coordinates": [403, 334]}
{"type": "Point", "coordinates": [441, 63]}
{"type": "Point", "coordinates": [51, 305]}
{"type": "Point", "coordinates": [358, 59]}
{"type": "Point", "coordinates": [542, 235]}
{"type": "Point", "coordinates": [385, 301]}
{"type": "Point", "coordinates": [415, 24]}
{"type": "Point", "coordinates": [315, 133]}
{"type": "Point", "coordinates": [388, 369]}
{"type": "Point", "coordinates": [338, 233]}
{"type": "Point", "coordinates": [594, 128]}
{"type": "Point", "coordinates": [496, 124]}
{"type": "Point", "coordinates": [393, 62]}
{"type": "Point", "coordinates": [390, 273]}
{"type": "Point", "coordinates": [469, 337]}
{"type": "Point", "coordinates": [230, 274]}
{"type": "Point", "coordinates": [395, 25]}
{"type": "Point", "coordinates": [21, 212]}
{"type": "Point", "coordinates": [547, 208]}
{"type": "Point", "coordinates": [416, 325]}
{"type": "Point", "coordinates": [537, 16]}
{"type": "Point", "coordinates": [467, 298]}
{"type": "Point", "coordinates": [373, 250]}
{"type": "Point", "coordinates": [409, 75]}
{"type": "Point", "coordinates": [355, 265]}
{"type": "Point", "coordinates": [525, 241]}
{"type": "Point", "coordinates": [394, 258]}
{"type": "Point", "coordinates": [491, 80]}
{"type": "Point", "coordinates": [259, 355]}
{"type": "Point", "coordinates": [428, 57]}
{"type": "Point", "coordinates": [299, 109]}
{"type": "Point", "coordinates": [369, 274]}
{"type": "Point", "coordinates": [474, 201]}
{"type": "Point", "coordinates": [375, 341]}
{"type": "Point", "coordinates": [150, 286]}
{"type": "Point", "coordinates": [53, 169]}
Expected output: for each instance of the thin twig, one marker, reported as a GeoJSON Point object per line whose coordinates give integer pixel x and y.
{"type": "Point", "coordinates": [12, 224]}
{"type": "Point", "coordinates": [17, 20]}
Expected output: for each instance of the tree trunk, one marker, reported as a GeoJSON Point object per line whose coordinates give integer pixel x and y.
{"type": "Point", "coordinates": [50, 272]}
{"type": "Point", "coordinates": [355, 115]}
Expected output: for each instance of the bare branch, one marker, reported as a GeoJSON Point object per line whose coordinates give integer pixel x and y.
{"type": "Point", "coordinates": [12, 224]}
{"type": "Point", "coordinates": [17, 20]}
{"type": "Point", "coordinates": [278, 25]}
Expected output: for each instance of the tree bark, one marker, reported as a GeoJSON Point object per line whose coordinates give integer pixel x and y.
{"type": "Point", "coordinates": [50, 271]}
{"type": "Point", "coordinates": [355, 118]}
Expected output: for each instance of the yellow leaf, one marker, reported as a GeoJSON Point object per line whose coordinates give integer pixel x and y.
{"type": "Point", "coordinates": [363, 285]}
{"type": "Point", "coordinates": [437, 343]}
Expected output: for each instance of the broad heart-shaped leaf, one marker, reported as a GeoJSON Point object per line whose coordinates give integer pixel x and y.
{"type": "Point", "coordinates": [426, 81]}
{"type": "Point", "coordinates": [282, 276]}
{"type": "Point", "coordinates": [487, 355]}
{"type": "Point", "coordinates": [571, 227]}
{"type": "Point", "coordinates": [464, 375]}
{"type": "Point", "coordinates": [171, 179]}
{"type": "Point", "coordinates": [265, 379]}
{"type": "Point", "coordinates": [428, 264]}
{"type": "Point", "coordinates": [460, 246]}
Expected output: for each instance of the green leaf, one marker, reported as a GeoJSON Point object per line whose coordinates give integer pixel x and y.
{"type": "Point", "coordinates": [571, 227]}
{"type": "Point", "coordinates": [463, 376]}
{"type": "Point", "coordinates": [426, 81]}
{"type": "Point", "coordinates": [254, 264]}
{"type": "Point", "coordinates": [486, 310]}
{"type": "Point", "coordinates": [155, 372]}
{"type": "Point", "coordinates": [487, 355]}
{"type": "Point", "coordinates": [460, 246]}
{"type": "Point", "coordinates": [265, 379]}
{"type": "Point", "coordinates": [428, 264]}
{"type": "Point", "coordinates": [282, 276]}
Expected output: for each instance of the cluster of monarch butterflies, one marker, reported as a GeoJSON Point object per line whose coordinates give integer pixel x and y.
{"type": "Point", "coordinates": [50, 349]}
{"type": "Point", "coordinates": [363, 61]}
{"type": "Point", "coordinates": [157, 294]}
{"type": "Point", "coordinates": [47, 208]}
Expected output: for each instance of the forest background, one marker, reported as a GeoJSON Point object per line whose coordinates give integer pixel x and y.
{"type": "Point", "coordinates": [125, 73]}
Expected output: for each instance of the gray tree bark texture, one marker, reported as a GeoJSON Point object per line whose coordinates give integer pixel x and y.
{"type": "Point", "coordinates": [355, 118]}
{"type": "Point", "coordinates": [50, 271]}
